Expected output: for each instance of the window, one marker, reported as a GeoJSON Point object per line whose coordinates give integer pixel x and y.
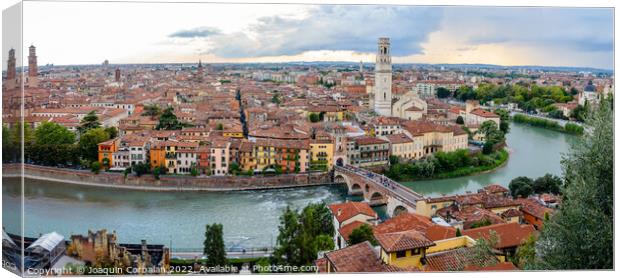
{"type": "Point", "coordinates": [415, 251]}
{"type": "Point", "coordinates": [401, 254]}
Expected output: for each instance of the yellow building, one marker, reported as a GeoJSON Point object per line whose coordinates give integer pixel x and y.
{"type": "Point", "coordinates": [404, 249]}
{"type": "Point", "coordinates": [321, 154]}
{"type": "Point", "coordinates": [451, 243]}
{"type": "Point", "coordinates": [427, 207]}
{"type": "Point", "coordinates": [264, 154]}
{"type": "Point", "coordinates": [170, 157]}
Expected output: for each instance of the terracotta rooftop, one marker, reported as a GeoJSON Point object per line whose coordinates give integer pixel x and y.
{"type": "Point", "coordinates": [411, 221]}
{"type": "Point", "coordinates": [356, 258]}
{"type": "Point", "coordinates": [509, 234]}
{"type": "Point", "coordinates": [512, 213]}
{"type": "Point", "coordinates": [505, 266]}
{"type": "Point", "coordinates": [398, 138]}
{"type": "Point", "coordinates": [533, 207]}
{"type": "Point", "coordinates": [405, 240]}
{"type": "Point", "coordinates": [483, 113]}
{"type": "Point", "coordinates": [367, 140]}
{"type": "Point", "coordinates": [344, 211]}
{"type": "Point", "coordinates": [457, 260]}
{"type": "Point", "coordinates": [495, 188]}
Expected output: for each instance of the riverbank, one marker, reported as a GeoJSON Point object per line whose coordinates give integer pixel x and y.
{"type": "Point", "coordinates": [165, 183]}
{"type": "Point", "coordinates": [500, 160]}
{"type": "Point", "coordinates": [570, 128]}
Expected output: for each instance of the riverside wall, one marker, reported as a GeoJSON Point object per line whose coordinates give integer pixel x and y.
{"type": "Point", "coordinates": [166, 182]}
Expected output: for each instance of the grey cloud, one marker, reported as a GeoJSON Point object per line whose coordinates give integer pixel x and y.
{"type": "Point", "coordinates": [354, 28]}
{"type": "Point", "coordinates": [200, 32]}
{"type": "Point", "coordinates": [583, 29]}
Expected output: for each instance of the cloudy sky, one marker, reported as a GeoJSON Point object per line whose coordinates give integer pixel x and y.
{"type": "Point", "coordinates": [88, 33]}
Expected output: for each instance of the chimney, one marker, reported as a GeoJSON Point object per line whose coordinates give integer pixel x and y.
{"type": "Point", "coordinates": [339, 212]}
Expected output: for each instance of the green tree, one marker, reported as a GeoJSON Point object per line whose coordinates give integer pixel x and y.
{"type": "Point", "coordinates": [526, 253]}
{"type": "Point", "coordinates": [314, 117]}
{"type": "Point", "coordinates": [504, 120]}
{"type": "Point", "coordinates": [49, 133]}
{"type": "Point", "coordinates": [95, 167]}
{"type": "Point", "coordinates": [483, 251]}
{"type": "Point", "coordinates": [112, 132]}
{"type": "Point", "coordinates": [140, 168]}
{"type": "Point", "coordinates": [521, 186]}
{"type": "Point", "coordinates": [361, 234]}
{"type": "Point", "coordinates": [458, 232]}
{"type": "Point", "coordinates": [168, 120]}
{"type": "Point", "coordinates": [459, 120]}
{"type": "Point", "coordinates": [151, 110]}
{"type": "Point", "coordinates": [214, 247]}
{"type": "Point", "coordinates": [443, 92]}
{"type": "Point", "coordinates": [193, 170]}
{"type": "Point", "coordinates": [276, 98]}
{"type": "Point", "coordinates": [580, 113]}
{"type": "Point", "coordinates": [90, 121]}
{"type": "Point", "coordinates": [219, 126]}
{"type": "Point", "coordinates": [288, 237]}
{"type": "Point", "coordinates": [89, 141]}
{"type": "Point", "coordinates": [157, 171]}
{"type": "Point", "coordinates": [490, 130]}
{"type": "Point", "coordinates": [547, 184]}
{"type": "Point", "coordinates": [302, 235]}
{"type": "Point", "coordinates": [580, 234]}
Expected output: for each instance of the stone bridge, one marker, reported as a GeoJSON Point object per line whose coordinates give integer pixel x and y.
{"type": "Point", "coordinates": [377, 189]}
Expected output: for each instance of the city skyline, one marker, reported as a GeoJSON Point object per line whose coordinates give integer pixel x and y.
{"type": "Point", "coordinates": [576, 37]}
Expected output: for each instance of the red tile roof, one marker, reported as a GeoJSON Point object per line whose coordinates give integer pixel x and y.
{"type": "Point", "coordinates": [400, 241]}
{"type": "Point", "coordinates": [533, 207]}
{"type": "Point", "coordinates": [356, 258]}
{"type": "Point", "coordinates": [457, 260]}
{"type": "Point", "coordinates": [483, 113]}
{"type": "Point", "coordinates": [344, 211]}
{"type": "Point", "coordinates": [495, 188]}
{"type": "Point", "coordinates": [505, 266]}
{"type": "Point", "coordinates": [509, 234]}
{"type": "Point", "coordinates": [367, 140]}
{"type": "Point", "coordinates": [412, 221]}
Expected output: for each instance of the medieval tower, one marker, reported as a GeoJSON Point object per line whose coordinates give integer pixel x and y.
{"type": "Point", "coordinates": [383, 79]}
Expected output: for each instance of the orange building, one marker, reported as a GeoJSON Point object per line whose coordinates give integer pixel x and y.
{"type": "Point", "coordinates": [534, 212]}
{"type": "Point", "coordinates": [106, 150]}
{"type": "Point", "coordinates": [157, 155]}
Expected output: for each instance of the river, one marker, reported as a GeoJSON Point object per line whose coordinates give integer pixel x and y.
{"type": "Point", "coordinates": [533, 151]}
{"type": "Point", "coordinates": [250, 218]}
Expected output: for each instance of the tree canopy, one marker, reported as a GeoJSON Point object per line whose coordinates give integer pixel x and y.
{"type": "Point", "coordinates": [361, 234]}
{"type": "Point", "coordinates": [89, 141]}
{"type": "Point", "coordinates": [53, 134]}
{"type": "Point", "coordinates": [89, 121]}
{"type": "Point", "coordinates": [580, 234]}
{"type": "Point", "coordinates": [168, 120]}
{"type": "Point", "coordinates": [302, 235]}
{"type": "Point", "coordinates": [214, 247]}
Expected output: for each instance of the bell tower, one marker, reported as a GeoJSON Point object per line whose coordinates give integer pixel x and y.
{"type": "Point", "coordinates": [383, 79]}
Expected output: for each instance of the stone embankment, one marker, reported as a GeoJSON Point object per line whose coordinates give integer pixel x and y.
{"type": "Point", "coordinates": [166, 183]}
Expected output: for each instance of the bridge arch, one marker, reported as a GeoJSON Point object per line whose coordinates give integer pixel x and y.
{"type": "Point", "coordinates": [398, 210]}
{"type": "Point", "coordinates": [356, 187]}
{"type": "Point", "coordinates": [376, 196]}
